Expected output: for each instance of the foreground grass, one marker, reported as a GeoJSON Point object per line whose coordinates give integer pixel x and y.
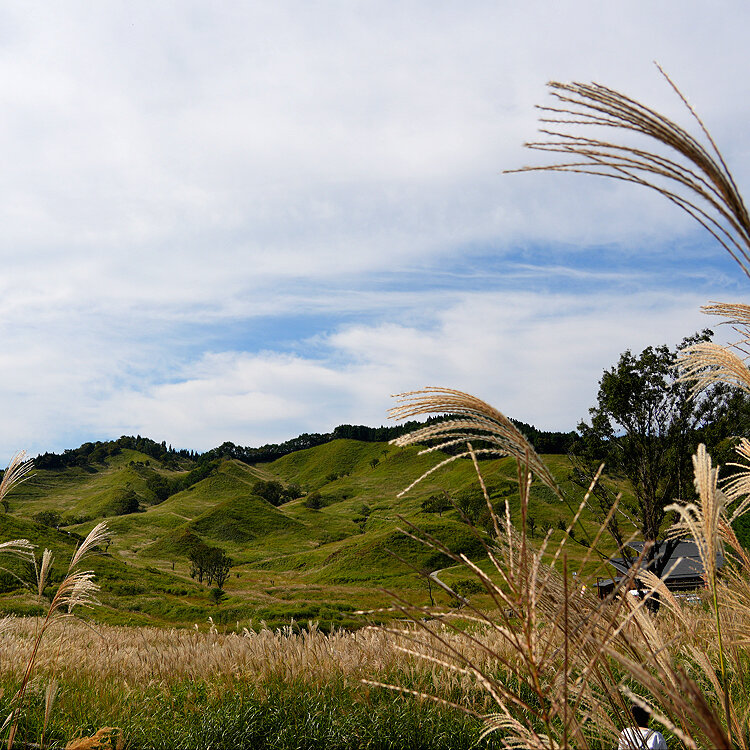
{"type": "Point", "coordinates": [186, 689]}
{"type": "Point", "coordinates": [277, 714]}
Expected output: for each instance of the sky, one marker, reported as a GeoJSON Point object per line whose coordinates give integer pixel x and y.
{"type": "Point", "coordinates": [244, 221]}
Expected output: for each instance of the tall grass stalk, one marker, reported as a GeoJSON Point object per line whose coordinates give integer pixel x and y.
{"type": "Point", "coordinates": [688, 170]}
{"type": "Point", "coordinates": [76, 589]}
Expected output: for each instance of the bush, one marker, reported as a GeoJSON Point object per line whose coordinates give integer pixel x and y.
{"type": "Point", "coordinates": [314, 501]}
{"type": "Point", "coordinates": [275, 492]}
{"type": "Point", "coordinates": [124, 502]}
{"type": "Point", "coordinates": [48, 518]}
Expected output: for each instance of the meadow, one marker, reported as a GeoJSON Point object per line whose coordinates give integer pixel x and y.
{"type": "Point", "coordinates": [188, 689]}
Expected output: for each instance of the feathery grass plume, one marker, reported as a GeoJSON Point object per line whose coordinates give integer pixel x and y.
{"type": "Point", "coordinates": [700, 520]}
{"type": "Point", "coordinates": [474, 421]}
{"type": "Point", "coordinates": [76, 589]}
{"type": "Point", "coordinates": [22, 548]}
{"type": "Point", "coordinates": [707, 363]}
{"type": "Point", "coordinates": [98, 535]}
{"type": "Point", "coordinates": [49, 701]}
{"type": "Point", "coordinates": [16, 472]}
{"type": "Point", "coordinates": [43, 571]}
{"type": "Point", "coordinates": [694, 176]}
{"type": "Point", "coordinates": [737, 486]}
{"type": "Point", "coordinates": [708, 522]}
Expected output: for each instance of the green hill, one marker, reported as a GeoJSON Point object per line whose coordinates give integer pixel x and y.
{"type": "Point", "coordinates": [289, 561]}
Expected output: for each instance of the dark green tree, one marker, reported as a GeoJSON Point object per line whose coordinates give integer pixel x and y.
{"type": "Point", "coordinates": [314, 501]}
{"type": "Point", "coordinates": [271, 490]}
{"type": "Point", "coordinates": [219, 566]}
{"type": "Point", "coordinates": [48, 518]}
{"type": "Point", "coordinates": [200, 561]}
{"type": "Point", "coordinates": [437, 503]}
{"type": "Point", "coordinates": [471, 504]}
{"type": "Point", "coordinates": [293, 491]}
{"type": "Point", "coordinates": [644, 428]}
{"type": "Point", "coordinates": [124, 502]}
{"type": "Point", "coordinates": [160, 486]}
{"type": "Point", "coordinates": [531, 523]}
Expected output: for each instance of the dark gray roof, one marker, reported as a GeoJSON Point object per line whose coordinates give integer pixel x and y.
{"type": "Point", "coordinates": [683, 563]}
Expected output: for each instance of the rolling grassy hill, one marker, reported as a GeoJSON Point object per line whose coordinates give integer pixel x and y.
{"type": "Point", "coordinates": [290, 561]}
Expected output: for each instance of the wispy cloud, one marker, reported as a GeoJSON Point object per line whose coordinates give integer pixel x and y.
{"type": "Point", "coordinates": [538, 357]}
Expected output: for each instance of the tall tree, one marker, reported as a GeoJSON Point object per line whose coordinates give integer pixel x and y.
{"type": "Point", "coordinates": [220, 565]}
{"type": "Point", "coordinates": [645, 426]}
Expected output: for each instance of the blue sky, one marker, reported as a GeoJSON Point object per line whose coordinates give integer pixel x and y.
{"type": "Point", "coordinates": [249, 220]}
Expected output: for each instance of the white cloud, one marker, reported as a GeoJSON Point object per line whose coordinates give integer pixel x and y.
{"type": "Point", "coordinates": [536, 357]}
{"type": "Point", "coordinates": [173, 166]}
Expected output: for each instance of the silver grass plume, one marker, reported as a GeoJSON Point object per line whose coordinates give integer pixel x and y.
{"type": "Point", "coordinates": [694, 175]}
{"type": "Point", "coordinates": [17, 471]}
{"type": "Point", "coordinates": [707, 363]}
{"type": "Point", "coordinates": [76, 589]}
{"type": "Point", "coordinates": [473, 420]}
{"type": "Point", "coordinates": [703, 522]}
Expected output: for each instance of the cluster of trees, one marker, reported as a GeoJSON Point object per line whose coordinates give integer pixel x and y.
{"type": "Point", "coordinates": [92, 453]}
{"type": "Point", "coordinates": [96, 452]}
{"type": "Point", "coordinates": [54, 519]}
{"type": "Point", "coordinates": [164, 487]}
{"type": "Point", "coordinates": [275, 492]}
{"type": "Point", "coordinates": [544, 441]}
{"type": "Point", "coordinates": [645, 427]}
{"type": "Point", "coordinates": [209, 564]}
{"type": "Point", "coordinates": [51, 518]}
{"type": "Point", "coordinates": [123, 502]}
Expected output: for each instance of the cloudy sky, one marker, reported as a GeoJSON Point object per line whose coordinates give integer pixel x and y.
{"type": "Point", "coordinates": [243, 221]}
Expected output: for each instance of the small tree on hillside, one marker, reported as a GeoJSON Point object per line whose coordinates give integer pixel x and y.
{"type": "Point", "coordinates": [219, 568]}
{"type": "Point", "coordinates": [314, 501]}
{"type": "Point", "coordinates": [200, 561]}
{"type": "Point", "coordinates": [272, 491]}
{"type": "Point", "coordinates": [437, 503]}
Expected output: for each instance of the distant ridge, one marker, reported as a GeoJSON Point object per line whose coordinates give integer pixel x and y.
{"type": "Point", "coordinates": [92, 453]}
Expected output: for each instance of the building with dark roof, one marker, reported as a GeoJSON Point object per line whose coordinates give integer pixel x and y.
{"type": "Point", "coordinates": [682, 569]}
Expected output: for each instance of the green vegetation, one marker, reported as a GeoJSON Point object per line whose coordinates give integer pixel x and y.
{"type": "Point", "coordinates": [646, 425]}
{"type": "Point", "coordinates": [270, 715]}
{"type": "Point", "coordinates": [311, 535]}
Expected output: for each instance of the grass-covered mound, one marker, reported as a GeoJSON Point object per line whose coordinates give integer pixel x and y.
{"type": "Point", "coordinates": [390, 553]}
{"type": "Point", "coordinates": [240, 519]}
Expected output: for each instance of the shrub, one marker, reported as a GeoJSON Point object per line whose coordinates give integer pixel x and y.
{"type": "Point", "coordinates": [123, 503]}
{"type": "Point", "coordinates": [48, 518]}
{"type": "Point", "coordinates": [314, 501]}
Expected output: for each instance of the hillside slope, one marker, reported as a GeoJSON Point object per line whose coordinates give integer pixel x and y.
{"type": "Point", "coordinates": [288, 561]}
